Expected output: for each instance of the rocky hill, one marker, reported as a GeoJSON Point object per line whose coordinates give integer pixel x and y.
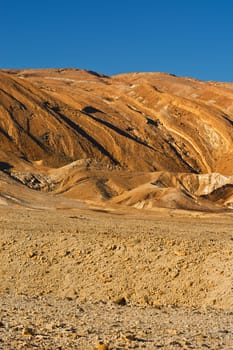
{"type": "Point", "coordinates": [141, 139]}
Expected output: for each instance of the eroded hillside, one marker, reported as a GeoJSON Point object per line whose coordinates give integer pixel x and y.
{"type": "Point", "coordinates": [141, 139]}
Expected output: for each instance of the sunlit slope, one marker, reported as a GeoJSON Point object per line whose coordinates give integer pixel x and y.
{"type": "Point", "coordinates": [144, 122]}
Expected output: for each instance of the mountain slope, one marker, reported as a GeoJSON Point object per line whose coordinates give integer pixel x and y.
{"type": "Point", "coordinates": [110, 138]}
{"type": "Point", "coordinates": [139, 121]}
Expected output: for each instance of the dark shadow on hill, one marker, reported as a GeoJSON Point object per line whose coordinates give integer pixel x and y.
{"type": "Point", "coordinates": [4, 166]}
{"type": "Point", "coordinates": [84, 134]}
{"type": "Point", "coordinates": [89, 110]}
{"type": "Point", "coordinates": [99, 75]}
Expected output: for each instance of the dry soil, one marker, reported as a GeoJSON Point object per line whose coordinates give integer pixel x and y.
{"type": "Point", "coordinates": [92, 279]}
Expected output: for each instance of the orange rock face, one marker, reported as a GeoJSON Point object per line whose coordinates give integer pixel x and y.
{"type": "Point", "coordinates": [142, 123]}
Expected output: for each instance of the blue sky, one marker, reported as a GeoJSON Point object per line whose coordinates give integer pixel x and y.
{"type": "Point", "coordinates": [189, 38]}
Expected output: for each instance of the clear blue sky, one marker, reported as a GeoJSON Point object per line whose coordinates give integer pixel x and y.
{"type": "Point", "coordinates": [185, 37]}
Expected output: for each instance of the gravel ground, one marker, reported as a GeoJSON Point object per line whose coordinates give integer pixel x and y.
{"type": "Point", "coordinates": [93, 280]}
{"type": "Point", "coordinates": [51, 323]}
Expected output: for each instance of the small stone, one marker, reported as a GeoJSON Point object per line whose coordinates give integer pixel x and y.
{"type": "Point", "coordinates": [188, 284]}
{"type": "Point", "coordinates": [32, 254]}
{"type": "Point", "coordinates": [180, 252]}
{"type": "Point", "coordinates": [172, 331]}
{"type": "Point", "coordinates": [175, 273]}
{"type": "Point", "coordinates": [176, 343]}
{"type": "Point", "coordinates": [27, 331]}
{"type": "Point", "coordinates": [129, 336]}
{"type": "Point", "coordinates": [50, 326]}
{"type": "Point", "coordinates": [101, 346]}
{"type": "Point", "coordinates": [145, 300]}
{"type": "Point", "coordinates": [120, 301]}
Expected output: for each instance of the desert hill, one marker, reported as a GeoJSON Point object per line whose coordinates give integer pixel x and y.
{"type": "Point", "coordinates": [116, 204]}
{"type": "Point", "coordinates": [141, 139]}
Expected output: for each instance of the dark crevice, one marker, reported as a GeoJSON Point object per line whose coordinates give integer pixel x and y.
{"type": "Point", "coordinates": [22, 106]}
{"type": "Point", "coordinates": [152, 122]}
{"type": "Point", "coordinates": [88, 110]}
{"type": "Point", "coordinates": [218, 193]}
{"type": "Point", "coordinates": [38, 142]}
{"type": "Point", "coordinates": [5, 134]}
{"type": "Point", "coordinates": [4, 166]}
{"type": "Point", "coordinates": [99, 75]}
{"type": "Point", "coordinates": [228, 119]}
{"type": "Point", "coordinates": [83, 133]}
{"type": "Point", "coordinates": [173, 148]}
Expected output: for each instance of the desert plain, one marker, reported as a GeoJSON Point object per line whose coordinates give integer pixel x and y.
{"type": "Point", "coordinates": [116, 221]}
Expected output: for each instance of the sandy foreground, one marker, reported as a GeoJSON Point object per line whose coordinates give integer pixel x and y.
{"type": "Point", "coordinates": [74, 279]}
